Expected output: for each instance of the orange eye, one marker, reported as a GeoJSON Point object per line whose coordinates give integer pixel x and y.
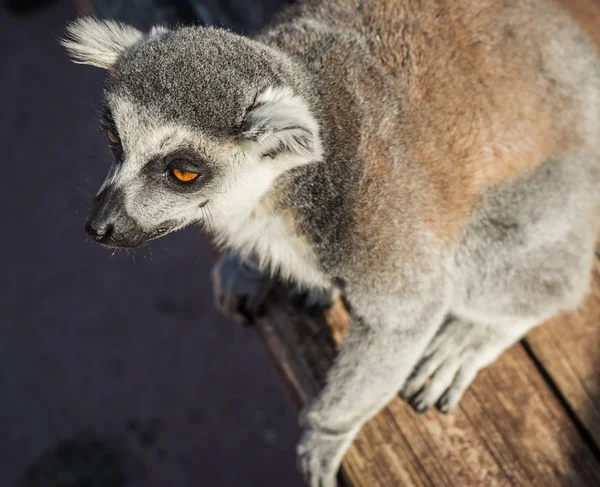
{"type": "Point", "coordinates": [184, 176]}
{"type": "Point", "coordinates": [113, 138]}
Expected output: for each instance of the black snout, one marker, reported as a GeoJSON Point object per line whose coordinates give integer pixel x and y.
{"type": "Point", "coordinates": [100, 232]}
{"type": "Point", "coordinates": [109, 224]}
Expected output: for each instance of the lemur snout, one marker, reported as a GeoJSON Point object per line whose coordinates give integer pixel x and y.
{"type": "Point", "coordinates": [108, 222]}
{"type": "Point", "coordinates": [99, 233]}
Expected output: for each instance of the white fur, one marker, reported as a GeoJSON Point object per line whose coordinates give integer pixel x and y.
{"type": "Point", "coordinates": [241, 220]}
{"type": "Point", "coordinates": [236, 211]}
{"type": "Point", "coordinates": [99, 42]}
{"type": "Point", "coordinates": [158, 30]}
{"type": "Point", "coordinates": [240, 217]}
{"type": "Point", "coordinates": [278, 117]}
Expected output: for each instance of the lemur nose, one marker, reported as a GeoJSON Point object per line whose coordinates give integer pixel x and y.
{"type": "Point", "coordinates": [99, 233]}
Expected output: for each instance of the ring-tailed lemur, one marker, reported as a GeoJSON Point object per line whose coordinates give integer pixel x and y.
{"type": "Point", "coordinates": [440, 158]}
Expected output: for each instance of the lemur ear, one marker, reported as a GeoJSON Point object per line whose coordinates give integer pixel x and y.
{"type": "Point", "coordinates": [99, 42]}
{"type": "Point", "coordinates": [281, 124]}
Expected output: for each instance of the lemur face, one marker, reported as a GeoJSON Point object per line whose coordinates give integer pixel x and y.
{"type": "Point", "coordinates": [200, 122]}
{"type": "Point", "coordinates": [161, 178]}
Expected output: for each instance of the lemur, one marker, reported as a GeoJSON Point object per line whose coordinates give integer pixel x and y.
{"type": "Point", "coordinates": [439, 158]}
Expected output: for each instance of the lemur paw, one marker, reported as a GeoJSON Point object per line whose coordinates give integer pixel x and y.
{"type": "Point", "coordinates": [239, 290]}
{"type": "Point", "coordinates": [320, 455]}
{"type": "Point", "coordinates": [450, 363]}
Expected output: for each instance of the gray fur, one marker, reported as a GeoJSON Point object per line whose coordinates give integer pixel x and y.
{"type": "Point", "coordinates": [305, 142]}
{"type": "Point", "coordinates": [178, 75]}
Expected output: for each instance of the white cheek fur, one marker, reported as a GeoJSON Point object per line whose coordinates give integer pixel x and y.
{"type": "Point", "coordinates": [241, 221]}
{"type": "Point", "coordinates": [235, 212]}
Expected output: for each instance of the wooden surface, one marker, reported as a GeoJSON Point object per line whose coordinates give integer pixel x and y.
{"type": "Point", "coordinates": [530, 419]}
{"type": "Point", "coordinates": [568, 350]}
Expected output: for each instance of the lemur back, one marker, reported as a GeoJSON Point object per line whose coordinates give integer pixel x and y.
{"type": "Point", "coordinates": [473, 93]}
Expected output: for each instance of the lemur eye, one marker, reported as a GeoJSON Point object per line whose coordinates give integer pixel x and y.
{"type": "Point", "coordinates": [113, 138]}
{"type": "Point", "coordinates": [184, 176]}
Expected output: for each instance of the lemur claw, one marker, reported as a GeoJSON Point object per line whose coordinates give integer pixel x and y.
{"type": "Point", "coordinates": [450, 363]}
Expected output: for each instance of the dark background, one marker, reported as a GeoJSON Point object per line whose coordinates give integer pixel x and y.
{"type": "Point", "coordinates": [115, 368]}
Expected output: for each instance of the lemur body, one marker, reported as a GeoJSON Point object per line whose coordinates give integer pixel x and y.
{"type": "Point", "coordinates": [440, 158]}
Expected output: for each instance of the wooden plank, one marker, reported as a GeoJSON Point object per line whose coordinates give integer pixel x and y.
{"type": "Point", "coordinates": [510, 428]}
{"type": "Point", "coordinates": [568, 348]}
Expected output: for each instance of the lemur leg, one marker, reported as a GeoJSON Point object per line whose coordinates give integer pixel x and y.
{"type": "Point", "coordinates": [453, 358]}
{"type": "Point", "coordinates": [542, 283]}
{"type": "Point", "coordinates": [525, 256]}
{"type": "Point", "coordinates": [239, 288]}
{"type": "Point", "coordinates": [384, 341]}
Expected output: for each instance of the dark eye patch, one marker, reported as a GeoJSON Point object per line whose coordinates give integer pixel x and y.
{"type": "Point", "coordinates": [184, 163]}
{"type": "Point", "coordinates": [184, 160]}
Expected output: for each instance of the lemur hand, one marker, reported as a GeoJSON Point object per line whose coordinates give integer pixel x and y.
{"type": "Point", "coordinates": [239, 289]}
{"type": "Point", "coordinates": [319, 457]}
{"type": "Point", "coordinates": [319, 453]}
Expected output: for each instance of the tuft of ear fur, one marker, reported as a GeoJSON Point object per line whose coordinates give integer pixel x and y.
{"type": "Point", "coordinates": [158, 30]}
{"type": "Point", "coordinates": [281, 124]}
{"type": "Point", "coordinates": [99, 42]}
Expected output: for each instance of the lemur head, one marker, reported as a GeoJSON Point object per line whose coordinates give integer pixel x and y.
{"type": "Point", "coordinates": [200, 121]}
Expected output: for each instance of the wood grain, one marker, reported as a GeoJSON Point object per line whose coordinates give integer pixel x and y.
{"type": "Point", "coordinates": [568, 349]}
{"type": "Point", "coordinates": [510, 428]}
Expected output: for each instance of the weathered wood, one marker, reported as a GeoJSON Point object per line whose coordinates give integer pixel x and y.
{"type": "Point", "coordinates": [568, 348]}
{"type": "Point", "coordinates": [510, 428]}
